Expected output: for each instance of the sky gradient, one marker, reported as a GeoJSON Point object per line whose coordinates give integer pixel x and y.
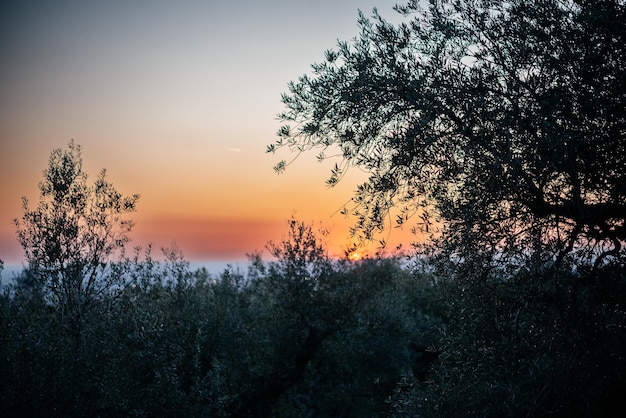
{"type": "Point", "coordinates": [178, 101]}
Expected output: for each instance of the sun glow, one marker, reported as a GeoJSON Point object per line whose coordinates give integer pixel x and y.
{"type": "Point", "coordinates": [355, 256]}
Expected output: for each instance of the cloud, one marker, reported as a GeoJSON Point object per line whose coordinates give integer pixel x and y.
{"type": "Point", "coordinates": [234, 149]}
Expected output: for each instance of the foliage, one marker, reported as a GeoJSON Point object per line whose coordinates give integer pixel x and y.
{"type": "Point", "coordinates": [499, 125]}
{"type": "Point", "coordinates": [306, 335]}
{"type": "Point", "coordinates": [299, 335]}
{"type": "Point", "coordinates": [74, 233]}
{"type": "Point", "coordinates": [545, 344]}
{"type": "Point", "coordinates": [345, 331]}
{"type": "Point", "coordinates": [502, 118]}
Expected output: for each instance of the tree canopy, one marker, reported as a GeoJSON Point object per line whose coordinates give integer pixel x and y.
{"type": "Point", "coordinates": [505, 119]}
{"type": "Point", "coordinates": [75, 231]}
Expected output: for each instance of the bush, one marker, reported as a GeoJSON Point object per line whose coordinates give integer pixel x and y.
{"type": "Point", "coordinates": [538, 344]}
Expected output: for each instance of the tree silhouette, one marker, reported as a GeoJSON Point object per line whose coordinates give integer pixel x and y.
{"type": "Point", "coordinates": [74, 233]}
{"type": "Point", "coordinates": [505, 119]}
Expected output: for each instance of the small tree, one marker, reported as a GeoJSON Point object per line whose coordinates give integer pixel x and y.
{"type": "Point", "coordinates": [74, 233]}
{"type": "Point", "coordinates": [505, 117]}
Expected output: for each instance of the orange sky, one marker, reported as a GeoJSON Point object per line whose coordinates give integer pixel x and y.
{"type": "Point", "coordinates": [178, 102]}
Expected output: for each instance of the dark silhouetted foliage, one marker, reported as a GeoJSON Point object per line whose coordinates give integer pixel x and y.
{"type": "Point", "coordinates": [503, 118]}
{"type": "Point", "coordinates": [73, 235]}
{"type": "Point", "coordinates": [302, 335]}
{"type": "Point", "coordinates": [500, 126]}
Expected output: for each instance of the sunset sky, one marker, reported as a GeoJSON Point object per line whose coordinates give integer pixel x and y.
{"type": "Point", "coordinates": [178, 101]}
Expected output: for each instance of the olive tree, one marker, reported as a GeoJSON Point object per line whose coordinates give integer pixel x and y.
{"type": "Point", "coordinates": [503, 119]}
{"type": "Point", "coordinates": [74, 234]}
